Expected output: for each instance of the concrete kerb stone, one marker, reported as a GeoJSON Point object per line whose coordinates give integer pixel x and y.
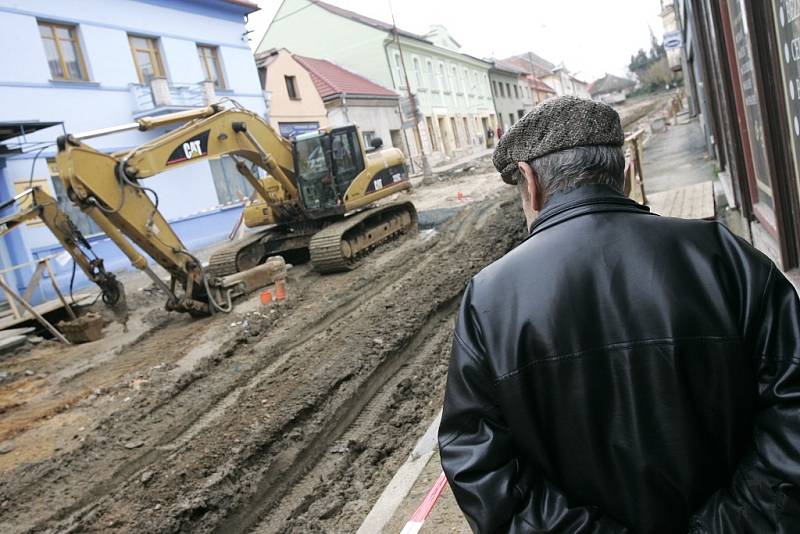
{"type": "Point", "coordinates": [402, 482]}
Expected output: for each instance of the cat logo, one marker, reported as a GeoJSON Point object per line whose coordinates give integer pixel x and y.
{"type": "Point", "coordinates": [192, 148]}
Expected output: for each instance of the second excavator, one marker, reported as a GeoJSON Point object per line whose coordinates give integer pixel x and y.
{"type": "Point", "coordinates": [37, 204]}
{"type": "Point", "coordinates": [318, 199]}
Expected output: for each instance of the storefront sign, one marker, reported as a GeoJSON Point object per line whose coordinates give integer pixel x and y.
{"type": "Point", "coordinates": [787, 22]}
{"type": "Point", "coordinates": [763, 193]}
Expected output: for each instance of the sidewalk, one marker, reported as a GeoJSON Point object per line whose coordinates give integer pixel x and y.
{"type": "Point", "coordinates": [678, 178]}
{"type": "Point", "coordinates": [416, 178]}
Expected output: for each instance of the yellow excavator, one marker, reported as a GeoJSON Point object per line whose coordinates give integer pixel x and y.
{"type": "Point", "coordinates": [317, 199]}
{"type": "Point", "coordinates": [37, 204]}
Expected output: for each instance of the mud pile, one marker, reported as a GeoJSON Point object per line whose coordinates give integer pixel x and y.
{"type": "Point", "coordinates": [283, 419]}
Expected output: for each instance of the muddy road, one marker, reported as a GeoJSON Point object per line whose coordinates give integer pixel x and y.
{"type": "Point", "coordinates": [289, 418]}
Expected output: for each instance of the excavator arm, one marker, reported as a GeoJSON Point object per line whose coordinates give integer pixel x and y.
{"type": "Point", "coordinates": [45, 208]}
{"type": "Point", "coordinates": [109, 187]}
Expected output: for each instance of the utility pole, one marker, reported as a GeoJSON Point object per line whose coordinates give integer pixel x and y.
{"type": "Point", "coordinates": [427, 173]}
{"type": "Point", "coordinates": [533, 79]}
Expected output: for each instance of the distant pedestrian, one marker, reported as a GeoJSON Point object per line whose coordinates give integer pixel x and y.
{"type": "Point", "coordinates": [499, 132]}
{"type": "Point", "coordinates": [619, 372]}
{"type": "Point", "coordinates": [489, 137]}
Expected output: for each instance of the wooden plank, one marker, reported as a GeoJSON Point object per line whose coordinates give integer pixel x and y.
{"type": "Point", "coordinates": [58, 291]}
{"type": "Point", "coordinates": [42, 309]}
{"type": "Point", "coordinates": [22, 302]}
{"type": "Point", "coordinates": [14, 309]}
{"type": "Point", "coordinates": [33, 283]}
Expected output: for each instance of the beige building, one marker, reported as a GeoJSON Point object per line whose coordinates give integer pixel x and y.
{"type": "Point", "coordinates": [555, 77]}
{"type": "Point", "coordinates": [564, 83]}
{"type": "Point", "coordinates": [293, 104]}
{"type": "Point", "coordinates": [307, 93]}
{"type": "Point", "coordinates": [455, 108]}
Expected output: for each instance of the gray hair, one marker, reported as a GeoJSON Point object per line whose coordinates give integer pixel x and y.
{"type": "Point", "coordinates": [563, 170]}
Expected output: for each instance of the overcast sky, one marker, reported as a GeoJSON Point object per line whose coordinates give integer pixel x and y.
{"type": "Point", "coordinates": [591, 37]}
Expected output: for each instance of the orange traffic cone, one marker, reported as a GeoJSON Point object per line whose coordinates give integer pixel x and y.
{"type": "Point", "coordinates": [280, 289]}
{"type": "Point", "coordinates": [266, 297]}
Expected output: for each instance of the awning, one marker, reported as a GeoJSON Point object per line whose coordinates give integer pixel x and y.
{"type": "Point", "coordinates": [18, 130]}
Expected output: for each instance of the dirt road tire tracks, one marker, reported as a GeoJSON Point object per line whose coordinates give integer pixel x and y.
{"type": "Point", "coordinates": [291, 396]}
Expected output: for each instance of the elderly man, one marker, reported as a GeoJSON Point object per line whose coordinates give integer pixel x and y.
{"type": "Point", "coordinates": [619, 371]}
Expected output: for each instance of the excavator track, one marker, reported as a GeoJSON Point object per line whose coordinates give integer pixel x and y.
{"type": "Point", "coordinates": [253, 250]}
{"type": "Point", "coordinates": [339, 246]}
{"type": "Point", "coordinates": [224, 261]}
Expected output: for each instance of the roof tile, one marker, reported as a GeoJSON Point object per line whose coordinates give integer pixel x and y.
{"type": "Point", "coordinates": [331, 79]}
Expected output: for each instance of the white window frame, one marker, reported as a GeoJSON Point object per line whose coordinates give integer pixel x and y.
{"type": "Point", "coordinates": [418, 71]}
{"type": "Point", "coordinates": [398, 72]}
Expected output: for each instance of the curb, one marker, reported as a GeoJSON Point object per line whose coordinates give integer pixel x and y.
{"type": "Point", "coordinates": [402, 482]}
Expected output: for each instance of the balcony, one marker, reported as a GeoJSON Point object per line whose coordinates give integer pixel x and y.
{"type": "Point", "coordinates": [162, 96]}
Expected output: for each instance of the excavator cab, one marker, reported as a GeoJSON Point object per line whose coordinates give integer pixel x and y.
{"type": "Point", "coordinates": [326, 162]}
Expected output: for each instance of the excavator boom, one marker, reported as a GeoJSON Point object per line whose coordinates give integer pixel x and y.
{"type": "Point", "coordinates": [44, 207]}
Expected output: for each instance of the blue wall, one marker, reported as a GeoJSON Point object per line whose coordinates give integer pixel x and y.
{"type": "Point", "coordinates": [28, 93]}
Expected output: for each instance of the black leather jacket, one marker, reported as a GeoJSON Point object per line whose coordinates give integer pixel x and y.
{"type": "Point", "coordinates": [623, 372]}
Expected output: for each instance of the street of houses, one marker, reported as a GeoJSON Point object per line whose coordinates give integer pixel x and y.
{"type": "Point", "coordinates": [111, 63]}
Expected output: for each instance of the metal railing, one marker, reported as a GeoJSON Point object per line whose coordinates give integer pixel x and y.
{"type": "Point", "coordinates": [161, 93]}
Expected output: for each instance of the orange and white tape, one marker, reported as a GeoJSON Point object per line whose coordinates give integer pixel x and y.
{"type": "Point", "coordinates": [425, 507]}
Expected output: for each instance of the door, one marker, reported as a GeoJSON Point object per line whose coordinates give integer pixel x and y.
{"type": "Point", "coordinates": [347, 158]}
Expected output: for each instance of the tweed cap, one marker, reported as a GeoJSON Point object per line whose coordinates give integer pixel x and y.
{"type": "Point", "coordinates": [554, 125]}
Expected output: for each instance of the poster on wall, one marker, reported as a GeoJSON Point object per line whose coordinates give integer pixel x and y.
{"type": "Point", "coordinates": [764, 202]}
{"type": "Point", "coordinates": [787, 21]}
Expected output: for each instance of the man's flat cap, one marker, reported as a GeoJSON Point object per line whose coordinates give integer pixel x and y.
{"type": "Point", "coordinates": [554, 125]}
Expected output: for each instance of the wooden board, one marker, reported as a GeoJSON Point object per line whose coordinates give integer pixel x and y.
{"type": "Point", "coordinates": [12, 332]}
{"type": "Point", "coordinates": [43, 308]}
{"type": "Point", "coordinates": [691, 202]}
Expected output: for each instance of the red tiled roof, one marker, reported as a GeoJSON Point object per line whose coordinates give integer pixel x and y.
{"type": "Point", "coordinates": [539, 85]}
{"type": "Point", "coordinates": [330, 79]}
{"type": "Point", "coordinates": [363, 19]}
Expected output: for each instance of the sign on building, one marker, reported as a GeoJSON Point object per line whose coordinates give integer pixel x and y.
{"type": "Point", "coordinates": [406, 112]}
{"type": "Point", "coordinates": [673, 40]}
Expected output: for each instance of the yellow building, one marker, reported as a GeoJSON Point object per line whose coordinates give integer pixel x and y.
{"type": "Point", "coordinates": [293, 104]}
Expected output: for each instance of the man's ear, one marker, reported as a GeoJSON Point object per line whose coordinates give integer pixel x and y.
{"type": "Point", "coordinates": [529, 175]}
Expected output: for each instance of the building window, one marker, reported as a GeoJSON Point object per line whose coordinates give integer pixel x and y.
{"type": "Point", "coordinates": [231, 186]}
{"type": "Point", "coordinates": [502, 91]}
{"type": "Point", "coordinates": [431, 82]}
{"type": "Point", "coordinates": [444, 85]}
{"type": "Point", "coordinates": [456, 82]}
{"type": "Point", "coordinates": [63, 51]}
{"type": "Point", "coordinates": [291, 87]}
{"type": "Point", "coordinates": [508, 90]}
{"type": "Point", "coordinates": [369, 135]}
{"type": "Point", "coordinates": [516, 91]}
{"type": "Point", "coordinates": [398, 71]}
{"type": "Point", "coordinates": [510, 120]}
{"type": "Point", "coordinates": [146, 57]}
{"type": "Point", "coordinates": [418, 73]}
{"type": "Point", "coordinates": [212, 68]}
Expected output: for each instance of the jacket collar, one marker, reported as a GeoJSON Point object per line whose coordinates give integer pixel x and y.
{"type": "Point", "coordinates": [590, 198]}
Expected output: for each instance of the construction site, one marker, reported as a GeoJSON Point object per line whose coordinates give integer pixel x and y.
{"type": "Point", "coordinates": [284, 402]}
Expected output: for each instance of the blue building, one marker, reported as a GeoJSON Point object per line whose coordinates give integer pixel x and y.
{"type": "Point", "coordinates": [81, 65]}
